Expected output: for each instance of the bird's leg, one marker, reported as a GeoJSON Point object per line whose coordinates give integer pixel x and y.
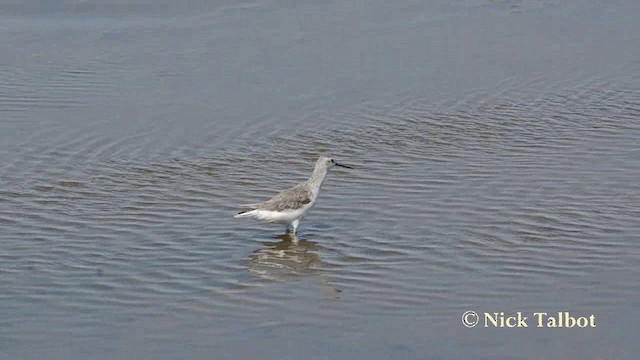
{"type": "Point", "coordinates": [295, 224]}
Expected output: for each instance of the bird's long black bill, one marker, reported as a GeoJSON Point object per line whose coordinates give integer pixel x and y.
{"type": "Point", "coordinates": [344, 166]}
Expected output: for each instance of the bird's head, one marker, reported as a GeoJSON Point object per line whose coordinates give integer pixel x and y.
{"type": "Point", "coordinates": [329, 162]}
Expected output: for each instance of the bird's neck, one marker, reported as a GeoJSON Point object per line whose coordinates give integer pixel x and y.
{"type": "Point", "coordinates": [317, 177]}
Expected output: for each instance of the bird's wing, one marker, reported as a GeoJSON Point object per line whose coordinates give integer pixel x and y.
{"type": "Point", "coordinates": [292, 198]}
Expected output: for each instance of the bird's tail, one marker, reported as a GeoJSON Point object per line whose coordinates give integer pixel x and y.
{"type": "Point", "coordinates": [242, 214]}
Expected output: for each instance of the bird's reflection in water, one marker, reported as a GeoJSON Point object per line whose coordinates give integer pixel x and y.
{"type": "Point", "coordinates": [286, 259]}
{"type": "Point", "coordinates": [289, 260]}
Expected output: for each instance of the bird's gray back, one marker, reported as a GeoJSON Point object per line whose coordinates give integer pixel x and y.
{"type": "Point", "coordinates": [292, 198]}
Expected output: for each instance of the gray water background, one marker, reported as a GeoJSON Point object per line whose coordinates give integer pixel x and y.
{"type": "Point", "coordinates": [496, 146]}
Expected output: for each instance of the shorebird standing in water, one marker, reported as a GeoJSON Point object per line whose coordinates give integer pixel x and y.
{"type": "Point", "coordinates": [290, 206]}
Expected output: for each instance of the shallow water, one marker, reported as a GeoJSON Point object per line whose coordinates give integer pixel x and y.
{"type": "Point", "coordinates": [496, 153]}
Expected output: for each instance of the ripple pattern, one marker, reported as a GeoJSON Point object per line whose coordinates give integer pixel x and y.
{"type": "Point", "coordinates": [448, 202]}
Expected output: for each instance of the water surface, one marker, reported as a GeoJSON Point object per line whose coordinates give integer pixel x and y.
{"type": "Point", "coordinates": [496, 154]}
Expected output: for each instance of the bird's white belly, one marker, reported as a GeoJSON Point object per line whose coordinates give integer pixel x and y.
{"type": "Point", "coordinates": [284, 216]}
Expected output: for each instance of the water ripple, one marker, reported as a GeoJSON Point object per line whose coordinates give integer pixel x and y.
{"type": "Point", "coordinates": [475, 199]}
